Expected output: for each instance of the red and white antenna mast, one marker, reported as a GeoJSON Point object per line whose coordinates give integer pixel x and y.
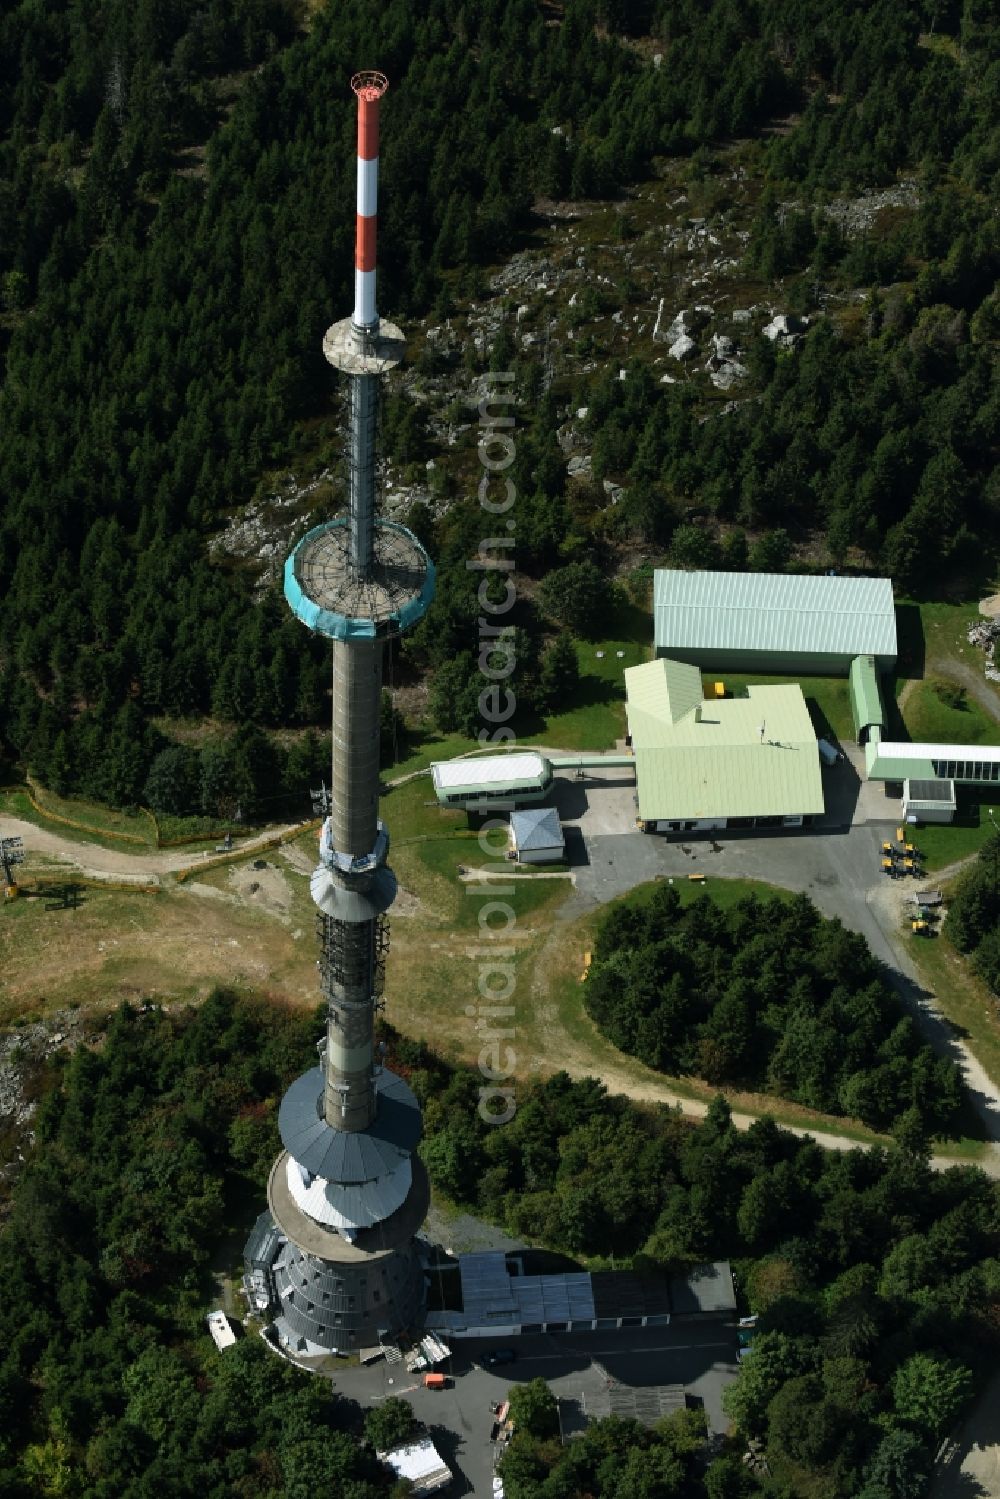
{"type": "Point", "coordinates": [369, 88]}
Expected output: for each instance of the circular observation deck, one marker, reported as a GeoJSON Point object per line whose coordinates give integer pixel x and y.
{"type": "Point", "coordinates": [324, 591]}
{"type": "Point", "coordinates": [364, 351]}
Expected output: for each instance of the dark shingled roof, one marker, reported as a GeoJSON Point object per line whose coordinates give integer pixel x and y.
{"type": "Point", "coordinates": [349, 1155]}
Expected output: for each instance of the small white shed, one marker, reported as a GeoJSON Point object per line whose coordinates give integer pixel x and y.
{"type": "Point", "coordinates": [421, 1463]}
{"type": "Point", "coordinates": [221, 1329]}
{"type": "Point", "coordinates": [929, 801]}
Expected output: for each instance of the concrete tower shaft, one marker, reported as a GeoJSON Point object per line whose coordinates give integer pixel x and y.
{"type": "Point", "coordinates": [357, 700]}
{"type": "Point", "coordinates": [348, 1193]}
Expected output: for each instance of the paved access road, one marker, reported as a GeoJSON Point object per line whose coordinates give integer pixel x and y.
{"type": "Point", "coordinates": [699, 1354]}
{"type": "Point", "coordinates": [836, 862]}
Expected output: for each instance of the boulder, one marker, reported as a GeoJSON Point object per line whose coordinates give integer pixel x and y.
{"type": "Point", "coordinates": [785, 326]}
{"type": "Point", "coordinates": [683, 348]}
{"type": "Point", "coordinates": [728, 373]}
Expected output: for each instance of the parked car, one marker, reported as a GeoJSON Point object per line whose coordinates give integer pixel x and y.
{"type": "Point", "coordinates": [500, 1356]}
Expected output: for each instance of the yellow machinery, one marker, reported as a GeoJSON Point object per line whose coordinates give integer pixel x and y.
{"type": "Point", "coordinates": [921, 928]}
{"type": "Point", "coordinates": [718, 689]}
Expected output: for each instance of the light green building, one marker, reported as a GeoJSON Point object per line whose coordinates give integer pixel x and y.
{"type": "Point", "coordinates": [866, 699]}
{"type": "Point", "coordinates": [774, 623]}
{"type": "Point", "coordinates": [730, 762]}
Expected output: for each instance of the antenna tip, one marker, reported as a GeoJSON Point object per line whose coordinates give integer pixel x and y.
{"type": "Point", "coordinates": [369, 85]}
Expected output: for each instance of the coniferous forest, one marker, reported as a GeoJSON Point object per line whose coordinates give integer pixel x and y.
{"type": "Point", "coordinates": [766, 996]}
{"type": "Point", "coordinates": [175, 233]}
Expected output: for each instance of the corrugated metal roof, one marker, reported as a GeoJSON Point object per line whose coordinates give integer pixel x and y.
{"type": "Point", "coordinates": [773, 612]}
{"type": "Point", "coordinates": [486, 1293]}
{"type": "Point", "coordinates": [421, 1463]}
{"type": "Point", "coordinates": [356, 1155]}
{"type": "Point", "coordinates": [866, 699]}
{"type": "Point", "coordinates": [488, 770]}
{"type": "Point", "coordinates": [491, 1295]}
{"type": "Point", "coordinates": [536, 827]}
{"type": "Point", "coordinates": [719, 763]}
{"type": "Point", "coordinates": [264, 1242]}
{"type": "Point", "coordinates": [666, 688]}
{"type": "Point", "coordinates": [349, 1205]}
{"type": "Point", "coordinates": [895, 750]}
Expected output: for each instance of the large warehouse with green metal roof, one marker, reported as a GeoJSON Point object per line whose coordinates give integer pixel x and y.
{"type": "Point", "coordinates": [773, 622]}
{"type": "Point", "coordinates": [733, 762]}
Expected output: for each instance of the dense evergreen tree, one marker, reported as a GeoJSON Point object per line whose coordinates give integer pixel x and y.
{"type": "Point", "coordinates": [175, 230]}
{"type": "Point", "coordinates": [765, 995]}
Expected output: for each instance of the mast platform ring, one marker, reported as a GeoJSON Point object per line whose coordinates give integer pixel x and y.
{"type": "Point", "coordinates": [369, 84]}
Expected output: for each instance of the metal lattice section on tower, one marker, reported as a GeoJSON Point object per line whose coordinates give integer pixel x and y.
{"type": "Point", "coordinates": [351, 957]}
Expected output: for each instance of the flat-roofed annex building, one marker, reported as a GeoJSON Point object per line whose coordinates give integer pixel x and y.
{"type": "Point", "coordinates": [773, 623]}
{"type": "Point", "coordinates": [733, 762]}
{"type": "Point", "coordinates": [474, 781]}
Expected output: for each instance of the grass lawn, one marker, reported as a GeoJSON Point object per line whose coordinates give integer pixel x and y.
{"type": "Point", "coordinates": [92, 823]}
{"type": "Point", "coordinates": [928, 719]}
{"type": "Point", "coordinates": [427, 744]}
{"type": "Point", "coordinates": [827, 698]}
{"type": "Point", "coordinates": [413, 811]}
{"type": "Point", "coordinates": [963, 998]}
{"type": "Point", "coordinates": [169, 947]}
{"type": "Point", "coordinates": [595, 720]}
{"type": "Point", "coordinates": [943, 844]}
{"type": "Point", "coordinates": [932, 633]}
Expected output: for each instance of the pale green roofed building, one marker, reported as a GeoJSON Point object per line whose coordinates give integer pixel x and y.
{"type": "Point", "coordinates": [730, 762]}
{"type": "Point", "coordinates": [774, 623]}
{"type": "Point", "coordinates": [866, 699]}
